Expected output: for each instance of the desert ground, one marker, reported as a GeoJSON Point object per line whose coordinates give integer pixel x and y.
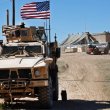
{"type": "Point", "coordinates": [86, 78]}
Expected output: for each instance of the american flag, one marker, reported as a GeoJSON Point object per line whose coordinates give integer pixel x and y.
{"type": "Point", "coordinates": [36, 10]}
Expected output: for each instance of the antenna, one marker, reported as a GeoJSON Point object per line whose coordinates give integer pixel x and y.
{"type": "Point", "coordinates": [13, 12]}
{"type": "Point", "coordinates": [85, 27]}
{"type": "Point", "coordinates": [49, 31]}
{"type": "Point", "coordinates": [49, 25]}
{"type": "Point", "coordinates": [7, 14]}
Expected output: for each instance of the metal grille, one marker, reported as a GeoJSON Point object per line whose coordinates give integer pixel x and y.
{"type": "Point", "coordinates": [20, 73]}
{"type": "Point", "coordinates": [14, 78]}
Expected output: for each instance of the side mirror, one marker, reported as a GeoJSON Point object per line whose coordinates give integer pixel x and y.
{"type": "Point", "coordinates": [58, 52]}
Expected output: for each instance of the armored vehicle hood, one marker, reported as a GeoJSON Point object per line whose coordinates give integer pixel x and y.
{"type": "Point", "coordinates": [21, 62]}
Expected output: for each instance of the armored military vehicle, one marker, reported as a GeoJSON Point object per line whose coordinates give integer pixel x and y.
{"type": "Point", "coordinates": [98, 48]}
{"type": "Point", "coordinates": [28, 65]}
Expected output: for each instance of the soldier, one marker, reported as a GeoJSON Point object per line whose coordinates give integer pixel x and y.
{"type": "Point", "coordinates": [22, 25]}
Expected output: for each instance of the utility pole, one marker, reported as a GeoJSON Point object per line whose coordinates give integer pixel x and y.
{"type": "Point", "coordinates": [13, 12]}
{"type": "Point", "coordinates": [7, 14]}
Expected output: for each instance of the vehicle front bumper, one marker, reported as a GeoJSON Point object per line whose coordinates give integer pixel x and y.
{"type": "Point", "coordinates": [19, 86]}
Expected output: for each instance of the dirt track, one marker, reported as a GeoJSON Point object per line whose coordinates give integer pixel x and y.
{"type": "Point", "coordinates": [86, 78]}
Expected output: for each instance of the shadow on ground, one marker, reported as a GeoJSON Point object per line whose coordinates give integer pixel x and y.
{"type": "Point", "coordinates": [63, 105]}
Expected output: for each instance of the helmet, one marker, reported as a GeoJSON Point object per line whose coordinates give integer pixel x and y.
{"type": "Point", "coordinates": [22, 23]}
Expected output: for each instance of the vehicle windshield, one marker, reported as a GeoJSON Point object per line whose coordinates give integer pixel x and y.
{"type": "Point", "coordinates": [21, 50]}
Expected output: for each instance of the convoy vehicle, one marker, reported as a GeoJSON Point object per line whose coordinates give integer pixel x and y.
{"type": "Point", "coordinates": [98, 48]}
{"type": "Point", "coordinates": [28, 65]}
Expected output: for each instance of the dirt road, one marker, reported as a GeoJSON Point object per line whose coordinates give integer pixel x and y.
{"type": "Point", "coordinates": [86, 78]}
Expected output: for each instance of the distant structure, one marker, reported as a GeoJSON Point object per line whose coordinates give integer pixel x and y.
{"type": "Point", "coordinates": [78, 42]}
{"type": "Point", "coordinates": [83, 38]}
{"type": "Point", "coordinates": [102, 37]}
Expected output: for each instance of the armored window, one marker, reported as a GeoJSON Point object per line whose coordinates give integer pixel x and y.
{"type": "Point", "coordinates": [34, 49]}
{"type": "Point", "coordinates": [17, 33]}
{"type": "Point", "coordinates": [9, 50]}
{"type": "Point", "coordinates": [24, 33]}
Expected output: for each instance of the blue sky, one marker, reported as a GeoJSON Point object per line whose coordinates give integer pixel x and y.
{"type": "Point", "coordinates": [67, 16]}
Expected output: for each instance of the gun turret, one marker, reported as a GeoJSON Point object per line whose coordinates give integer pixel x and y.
{"type": "Point", "coordinates": [23, 34]}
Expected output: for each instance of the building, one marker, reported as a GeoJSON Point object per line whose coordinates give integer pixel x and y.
{"type": "Point", "coordinates": [102, 37]}
{"type": "Point", "coordinates": [74, 42]}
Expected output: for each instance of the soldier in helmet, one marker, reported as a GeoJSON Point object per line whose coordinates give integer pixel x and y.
{"type": "Point", "coordinates": [22, 25]}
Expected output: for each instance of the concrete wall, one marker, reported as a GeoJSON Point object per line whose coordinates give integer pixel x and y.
{"type": "Point", "coordinates": [102, 37]}
{"type": "Point", "coordinates": [108, 37]}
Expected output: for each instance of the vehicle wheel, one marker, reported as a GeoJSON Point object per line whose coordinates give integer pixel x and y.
{"type": "Point", "coordinates": [106, 51]}
{"type": "Point", "coordinates": [55, 91]}
{"type": "Point", "coordinates": [45, 96]}
{"type": "Point", "coordinates": [55, 84]}
{"type": "Point", "coordinates": [96, 51]}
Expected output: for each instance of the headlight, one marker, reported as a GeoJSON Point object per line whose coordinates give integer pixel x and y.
{"type": "Point", "coordinates": [37, 73]}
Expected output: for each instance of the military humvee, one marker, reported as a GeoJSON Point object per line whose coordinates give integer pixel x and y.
{"type": "Point", "coordinates": [28, 65]}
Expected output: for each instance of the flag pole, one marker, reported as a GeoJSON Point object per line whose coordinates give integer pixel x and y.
{"type": "Point", "coordinates": [49, 26]}
{"type": "Point", "coordinates": [49, 31]}
{"type": "Point", "coordinates": [13, 12]}
{"type": "Point", "coordinates": [46, 30]}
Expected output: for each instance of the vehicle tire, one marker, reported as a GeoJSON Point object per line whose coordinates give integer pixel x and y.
{"type": "Point", "coordinates": [55, 91]}
{"type": "Point", "coordinates": [55, 84]}
{"type": "Point", "coordinates": [45, 96]}
{"type": "Point", "coordinates": [96, 51]}
{"type": "Point", "coordinates": [106, 51]}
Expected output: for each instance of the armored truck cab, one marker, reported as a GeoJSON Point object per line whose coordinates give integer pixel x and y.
{"type": "Point", "coordinates": [28, 65]}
